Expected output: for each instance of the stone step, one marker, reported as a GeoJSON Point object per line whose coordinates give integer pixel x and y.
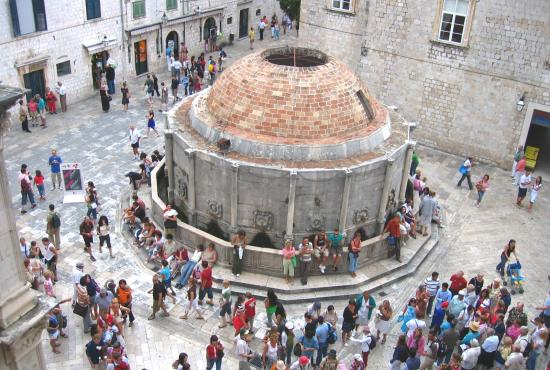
{"type": "Point", "coordinates": [315, 291]}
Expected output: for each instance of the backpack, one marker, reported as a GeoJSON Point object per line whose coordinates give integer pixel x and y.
{"type": "Point", "coordinates": [297, 349]}
{"type": "Point", "coordinates": [56, 221]}
{"type": "Point", "coordinates": [441, 349]}
{"type": "Point", "coordinates": [25, 186]}
{"type": "Point", "coordinates": [332, 335]}
{"type": "Point", "coordinates": [528, 348]}
{"type": "Point", "coordinates": [372, 344]}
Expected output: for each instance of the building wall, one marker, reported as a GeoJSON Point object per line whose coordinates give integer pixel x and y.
{"type": "Point", "coordinates": [67, 29]}
{"type": "Point", "coordinates": [463, 98]}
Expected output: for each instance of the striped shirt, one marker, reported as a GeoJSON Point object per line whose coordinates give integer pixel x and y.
{"type": "Point", "coordinates": [432, 286]}
{"type": "Point", "coordinates": [82, 296]}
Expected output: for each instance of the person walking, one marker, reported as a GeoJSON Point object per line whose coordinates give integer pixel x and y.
{"type": "Point", "coordinates": [481, 187]}
{"type": "Point", "coordinates": [83, 302]}
{"type": "Point", "coordinates": [432, 287]}
{"type": "Point", "coordinates": [239, 245]}
{"type": "Point", "coordinates": [53, 226]}
{"type": "Point", "coordinates": [305, 250]}
{"type": "Point", "coordinates": [51, 101]}
{"type": "Point", "coordinates": [159, 294]}
{"type": "Point", "coordinates": [103, 230]}
{"type": "Point", "coordinates": [251, 37]}
{"type": "Point", "coordinates": [163, 97]}
{"type": "Point", "coordinates": [225, 304]}
{"type": "Point", "coordinates": [242, 350]}
{"type": "Point", "coordinates": [524, 183]}
{"type": "Point", "coordinates": [155, 84]}
{"type": "Point", "coordinates": [382, 320]}
{"type": "Point", "coordinates": [23, 116]}
{"type": "Point", "coordinates": [39, 183]}
{"type": "Point", "coordinates": [174, 87]}
{"type": "Point", "coordinates": [214, 353]}
{"type": "Point", "coordinates": [535, 188]}
{"type": "Point", "coordinates": [86, 230]}
{"type": "Point", "coordinates": [124, 294]}
{"type": "Point", "coordinates": [466, 171]}
{"type": "Point", "coordinates": [55, 168]}
{"type": "Point", "coordinates": [261, 28]}
{"type": "Point", "coordinates": [26, 189]}
{"type": "Point", "coordinates": [110, 77]}
{"type": "Point", "coordinates": [105, 98]}
{"type": "Point", "coordinates": [414, 163]}
{"type": "Point", "coordinates": [151, 123]}
{"type": "Point", "coordinates": [149, 90]}
{"type": "Point", "coordinates": [62, 92]}
{"type": "Point", "coordinates": [125, 96]}
{"type": "Point", "coordinates": [134, 141]}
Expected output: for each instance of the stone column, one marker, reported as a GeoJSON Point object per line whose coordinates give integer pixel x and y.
{"type": "Point", "coordinates": [21, 311]}
{"type": "Point", "coordinates": [291, 201]}
{"type": "Point", "coordinates": [405, 175]}
{"type": "Point", "coordinates": [191, 189]}
{"type": "Point", "coordinates": [345, 201]}
{"type": "Point", "coordinates": [383, 198]}
{"type": "Point", "coordinates": [169, 150]}
{"type": "Point", "coordinates": [234, 195]}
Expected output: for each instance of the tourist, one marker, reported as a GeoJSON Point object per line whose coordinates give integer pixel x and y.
{"type": "Point", "coordinates": [32, 105]}
{"type": "Point", "coordinates": [416, 341]}
{"type": "Point", "coordinates": [357, 363]}
{"type": "Point", "coordinates": [365, 304]}
{"type": "Point", "coordinates": [507, 252]}
{"type": "Point", "coordinates": [321, 250]}
{"type": "Point", "coordinates": [251, 37]}
{"type": "Point", "coordinates": [41, 110]}
{"type": "Point", "coordinates": [305, 250]}
{"type": "Point", "coordinates": [382, 320]}
{"type": "Point", "coordinates": [270, 302]}
{"type": "Point", "coordinates": [524, 183]}
{"type": "Point", "coordinates": [55, 168]}
{"type": "Point", "coordinates": [125, 96]}
{"type": "Point", "coordinates": [105, 98]}
{"type": "Point", "coordinates": [48, 284]}
{"type": "Point", "coordinates": [134, 141]}
{"type": "Point", "coordinates": [471, 355]}
{"type": "Point", "coordinates": [210, 255]}
{"type": "Point", "coordinates": [124, 294]}
{"type": "Point", "coordinates": [180, 257]}
{"type": "Point", "coordinates": [170, 220]}
{"type": "Point", "coordinates": [448, 341]}
{"type": "Point", "coordinates": [225, 304]}
{"type": "Point", "coordinates": [426, 210]}
{"type": "Point", "coordinates": [174, 87]}
{"type": "Point", "coordinates": [82, 303]}
{"type": "Point", "coordinates": [466, 170]}
{"type": "Point", "coordinates": [250, 310]}
{"type": "Point", "coordinates": [187, 269]}
{"type": "Point", "coordinates": [26, 189]}
{"type": "Point", "coordinates": [24, 249]}
{"type": "Point", "coordinates": [393, 227]}
{"type": "Point", "coordinates": [53, 226]}
{"type": "Point", "coordinates": [206, 283]}
{"type": "Point", "coordinates": [488, 349]}
{"type": "Point", "coordinates": [103, 229]}
{"type": "Point", "coordinates": [165, 273]}
{"type": "Point", "coordinates": [91, 201]}
{"type": "Point", "coordinates": [309, 344]}
{"type": "Point", "coordinates": [330, 362]}
{"type": "Point", "coordinates": [348, 324]}
{"type": "Point", "coordinates": [86, 231]}
{"type": "Point", "coordinates": [289, 261]}
{"type": "Point", "coordinates": [239, 242]}
{"type": "Point", "coordinates": [181, 362]}
{"type": "Point", "coordinates": [458, 282]}
{"type": "Point", "coordinates": [159, 293]}
{"type": "Point", "coordinates": [102, 302]}
{"type": "Point", "coordinates": [214, 353]}
{"type": "Point", "coordinates": [353, 254]}
{"type": "Point", "coordinates": [415, 160]}
{"type": "Point", "coordinates": [149, 90]}
{"type": "Point", "coordinates": [515, 360]}
{"type": "Point", "coordinates": [51, 101]}
{"type": "Point", "coordinates": [49, 253]}
{"type": "Point", "coordinates": [408, 314]}
{"type": "Point", "coordinates": [163, 97]}
{"type": "Point", "coordinates": [270, 352]}
{"type": "Point", "coordinates": [110, 77]}
{"type": "Point", "coordinates": [94, 350]}
{"type": "Point", "coordinates": [366, 342]}
{"type": "Point", "coordinates": [422, 298]}
{"type": "Point", "coordinates": [242, 350]}
{"type": "Point", "coordinates": [76, 274]}
{"type": "Point", "coordinates": [62, 92]}
{"type": "Point", "coordinates": [400, 353]}
{"type": "Point", "coordinates": [520, 169]}
{"type": "Point", "coordinates": [535, 188]}
{"type": "Point", "coordinates": [151, 123]}
{"type": "Point", "coordinates": [192, 303]}
{"type": "Point", "coordinates": [23, 116]}
{"type": "Point", "coordinates": [457, 304]}
{"type": "Point", "coordinates": [336, 242]}
{"type": "Point", "coordinates": [430, 351]}
{"type": "Point", "coordinates": [432, 286]}
{"type": "Point", "coordinates": [518, 154]}
{"type": "Point", "coordinates": [481, 187]}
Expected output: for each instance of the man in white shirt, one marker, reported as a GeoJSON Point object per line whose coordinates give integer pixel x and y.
{"type": "Point", "coordinates": [466, 171]}
{"type": "Point", "coordinates": [77, 273]}
{"type": "Point", "coordinates": [470, 356]}
{"type": "Point", "coordinates": [134, 141]}
{"type": "Point", "coordinates": [523, 339]}
{"type": "Point", "coordinates": [432, 285]}
{"type": "Point", "coordinates": [24, 248]}
{"type": "Point", "coordinates": [242, 350]}
{"type": "Point", "coordinates": [515, 360]}
{"type": "Point", "coordinates": [62, 92]}
{"type": "Point", "coordinates": [176, 66]}
{"type": "Point", "coordinates": [524, 182]}
{"type": "Point", "coordinates": [365, 344]}
{"type": "Point", "coordinates": [261, 26]}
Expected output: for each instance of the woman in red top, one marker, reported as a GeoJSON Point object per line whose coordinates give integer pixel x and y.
{"type": "Point", "coordinates": [239, 320]}
{"type": "Point", "coordinates": [39, 183]}
{"type": "Point", "coordinates": [214, 353]}
{"type": "Point", "coordinates": [51, 100]}
{"type": "Point", "coordinates": [353, 254]}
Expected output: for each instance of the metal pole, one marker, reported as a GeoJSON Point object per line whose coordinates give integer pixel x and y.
{"type": "Point", "coordinates": [122, 42]}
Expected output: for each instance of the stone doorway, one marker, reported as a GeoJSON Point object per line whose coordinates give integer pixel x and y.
{"type": "Point", "coordinates": [537, 140]}
{"type": "Point", "coordinates": [243, 23]}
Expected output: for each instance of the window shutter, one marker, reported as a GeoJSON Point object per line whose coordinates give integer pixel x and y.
{"type": "Point", "coordinates": [97, 8]}
{"type": "Point", "coordinates": [14, 18]}
{"type": "Point", "coordinates": [39, 15]}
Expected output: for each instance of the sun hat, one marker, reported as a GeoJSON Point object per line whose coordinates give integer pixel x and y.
{"type": "Point", "coordinates": [474, 326]}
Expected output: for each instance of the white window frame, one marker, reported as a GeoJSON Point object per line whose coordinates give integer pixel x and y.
{"type": "Point", "coordinates": [340, 6]}
{"type": "Point", "coordinates": [438, 25]}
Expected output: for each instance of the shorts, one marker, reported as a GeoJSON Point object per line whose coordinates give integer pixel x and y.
{"type": "Point", "coordinates": [347, 326]}
{"type": "Point", "coordinates": [317, 252]}
{"type": "Point", "coordinates": [336, 251]}
{"type": "Point", "coordinates": [522, 192]}
{"type": "Point", "coordinates": [151, 93]}
{"type": "Point", "coordinates": [134, 145]}
{"type": "Point", "coordinates": [151, 124]}
{"type": "Point", "coordinates": [53, 335]}
{"type": "Point", "coordinates": [167, 283]}
{"type": "Point", "coordinates": [88, 241]}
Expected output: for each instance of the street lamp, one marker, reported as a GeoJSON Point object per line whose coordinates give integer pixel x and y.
{"type": "Point", "coordinates": [164, 18]}
{"type": "Point", "coordinates": [409, 125]}
{"type": "Point", "coordinates": [105, 41]}
{"type": "Point", "coordinates": [521, 103]}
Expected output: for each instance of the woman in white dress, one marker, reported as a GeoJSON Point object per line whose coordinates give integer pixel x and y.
{"type": "Point", "coordinates": [382, 320]}
{"type": "Point", "coordinates": [535, 192]}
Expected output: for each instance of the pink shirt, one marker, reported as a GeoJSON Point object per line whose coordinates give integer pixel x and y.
{"type": "Point", "coordinates": [48, 287]}
{"type": "Point", "coordinates": [288, 253]}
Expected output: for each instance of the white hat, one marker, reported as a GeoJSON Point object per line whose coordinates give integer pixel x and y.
{"type": "Point", "coordinates": [289, 325]}
{"type": "Point", "coordinates": [358, 357]}
{"type": "Point", "coordinates": [462, 292]}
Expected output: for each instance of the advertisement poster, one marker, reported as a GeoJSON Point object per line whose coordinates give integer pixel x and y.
{"type": "Point", "coordinates": [73, 185]}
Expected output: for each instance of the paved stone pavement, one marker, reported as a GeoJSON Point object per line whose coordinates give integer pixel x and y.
{"type": "Point", "coordinates": [471, 241]}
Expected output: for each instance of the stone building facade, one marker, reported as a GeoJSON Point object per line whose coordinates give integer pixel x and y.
{"type": "Point", "coordinates": [45, 41]}
{"type": "Point", "coordinates": [458, 68]}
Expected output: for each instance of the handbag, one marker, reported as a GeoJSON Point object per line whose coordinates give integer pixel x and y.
{"type": "Point", "coordinates": [463, 170]}
{"type": "Point", "coordinates": [294, 261]}
{"type": "Point", "coordinates": [80, 310]}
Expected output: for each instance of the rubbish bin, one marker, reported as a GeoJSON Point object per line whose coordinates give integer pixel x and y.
{"type": "Point", "coordinates": [231, 38]}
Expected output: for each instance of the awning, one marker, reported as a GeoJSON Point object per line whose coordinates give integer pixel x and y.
{"type": "Point", "coordinates": [98, 45]}
{"type": "Point", "coordinates": [143, 29]}
{"type": "Point", "coordinates": [34, 60]}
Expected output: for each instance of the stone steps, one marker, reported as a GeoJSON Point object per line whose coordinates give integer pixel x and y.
{"type": "Point", "coordinates": [328, 287]}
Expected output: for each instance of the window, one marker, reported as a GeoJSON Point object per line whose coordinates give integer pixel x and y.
{"type": "Point", "coordinates": [171, 4]}
{"type": "Point", "coordinates": [93, 9]}
{"type": "Point", "coordinates": [63, 68]}
{"type": "Point", "coordinates": [28, 16]}
{"type": "Point", "coordinates": [342, 4]}
{"type": "Point", "coordinates": [229, 20]}
{"type": "Point", "coordinates": [453, 20]}
{"type": "Point", "coordinates": [138, 9]}
{"type": "Point", "coordinates": [258, 12]}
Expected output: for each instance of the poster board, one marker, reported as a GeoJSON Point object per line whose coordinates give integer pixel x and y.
{"type": "Point", "coordinates": [73, 186]}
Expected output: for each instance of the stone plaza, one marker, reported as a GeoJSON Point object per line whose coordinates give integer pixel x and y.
{"type": "Point", "coordinates": [471, 240]}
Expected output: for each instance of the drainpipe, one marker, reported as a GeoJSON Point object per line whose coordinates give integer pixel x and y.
{"type": "Point", "coordinates": [122, 41]}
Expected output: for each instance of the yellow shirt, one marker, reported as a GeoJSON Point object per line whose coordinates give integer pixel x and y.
{"type": "Point", "coordinates": [251, 35]}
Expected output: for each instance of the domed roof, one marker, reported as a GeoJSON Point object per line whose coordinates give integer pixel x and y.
{"type": "Point", "coordinates": [293, 96]}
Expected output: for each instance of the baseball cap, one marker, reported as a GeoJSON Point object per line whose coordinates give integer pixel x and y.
{"type": "Point", "coordinates": [303, 360]}
{"type": "Point", "coordinates": [243, 332]}
{"type": "Point", "coordinates": [445, 304]}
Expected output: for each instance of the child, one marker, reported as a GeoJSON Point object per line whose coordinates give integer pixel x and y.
{"type": "Point", "coordinates": [53, 331]}
{"type": "Point", "coordinates": [192, 300]}
{"type": "Point", "coordinates": [48, 285]}
{"type": "Point", "coordinates": [197, 84]}
{"type": "Point", "coordinates": [33, 111]}
{"type": "Point", "coordinates": [39, 183]}
{"type": "Point", "coordinates": [185, 83]}
{"type": "Point", "coordinates": [191, 84]}
{"type": "Point", "coordinates": [151, 123]}
{"type": "Point", "coordinates": [277, 31]}
{"type": "Point", "coordinates": [165, 275]}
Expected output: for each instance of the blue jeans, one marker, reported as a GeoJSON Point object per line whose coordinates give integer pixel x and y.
{"type": "Point", "coordinates": [111, 87]}
{"type": "Point", "coordinates": [92, 213]}
{"type": "Point", "coordinates": [480, 195]}
{"type": "Point", "coordinates": [321, 352]}
{"type": "Point", "coordinates": [210, 362]}
{"type": "Point", "coordinates": [502, 264]}
{"type": "Point", "coordinates": [532, 360]}
{"type": "Point", "coordinates": [186, 271]}
{"type": "Point", "coordinates": [353, 257]}
{"type": "Point", "coordinates": [27, 195]}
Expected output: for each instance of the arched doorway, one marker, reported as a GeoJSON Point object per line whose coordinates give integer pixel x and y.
{"type": "Point", "coordinates": [209, 29]}
{"type": "Point", "coordinates": [172, 41]}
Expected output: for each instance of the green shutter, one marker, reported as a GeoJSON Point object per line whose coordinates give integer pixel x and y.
{"type": "Point", "coordinates": [138, 8]}
{"type": "Point", "coordinates": [171, 4]}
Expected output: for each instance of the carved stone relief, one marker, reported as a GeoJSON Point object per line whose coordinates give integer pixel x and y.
{"type": "Point", "coordinates": [182, 179]}
{"type": "Point", "coordinates": [263, 220]}
{"type": "Point", "coordinates": [392, 201]}
{"type": "Point", "coordinates": [360, 216]}
{"type": "Point", "coordinates": [317, 222]}
{"type": "Point", "coordinates": [214, 208]}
